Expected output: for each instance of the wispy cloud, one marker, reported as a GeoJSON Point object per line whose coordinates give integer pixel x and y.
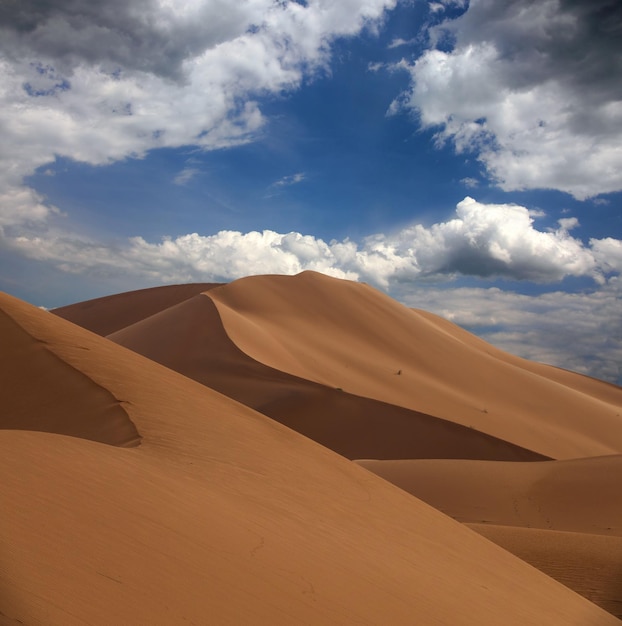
{"type": "Point", "coordinates": [600, 201]}
{"type": "Point", "coordinates": [292, 179]}
{"type": "Point", "coordinates": [577, 331]}
{"type": "Point", "coordinates": [185, 176]}
{"type": "Point", "coordinates": [398, 42]}
{"type": "Point", "coordinates": [469, 182]}
{"type": "Point", "coordinates": [375, 67]}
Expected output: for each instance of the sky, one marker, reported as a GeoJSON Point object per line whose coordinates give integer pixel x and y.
{"type": "Point", "coordinates": [463, 157]}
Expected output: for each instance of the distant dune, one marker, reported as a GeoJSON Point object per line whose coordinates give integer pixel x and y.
{"type": "Point", "coordinates": [152, 472]}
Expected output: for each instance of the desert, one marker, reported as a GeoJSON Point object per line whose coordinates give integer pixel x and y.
{"type": "Point", "coordinates": [297, 450]}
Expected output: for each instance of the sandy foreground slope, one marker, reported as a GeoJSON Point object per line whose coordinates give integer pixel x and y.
{"type": "Point", "coordinates": [588, 564]}
{"type": "Point", "coordinates": [220, 515]}
{"type": "Point", "coordinates": [563, 517]}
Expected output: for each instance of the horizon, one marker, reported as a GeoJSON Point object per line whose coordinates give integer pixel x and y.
{"type": "Point", "coordinates": [462, 157]}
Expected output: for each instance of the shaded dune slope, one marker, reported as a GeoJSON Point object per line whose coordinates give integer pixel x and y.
{"type": "Point", "coordinates": [348, 335]}
{"type": "Point", "coordinates": [224, 516]}
{"type": "Point", "coordinates": [189, 338]}
{"type": "Point", "coordinates": [40, 391]}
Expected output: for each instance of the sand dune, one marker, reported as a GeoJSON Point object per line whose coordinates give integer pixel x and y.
{"type": "Point", "coordinates": [370, 347]}
{"type": "Point", "coordinates": [348, 335]}
{"type": "Point", "coordinates": [223, 516]}
{"type": "Point", "coordinates": [563, 517]}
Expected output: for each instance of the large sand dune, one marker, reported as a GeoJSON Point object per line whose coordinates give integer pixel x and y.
{"type": "Point", "coordinates": [351, 336]}
{"type": "Point", "coordinates": [191, 339]}
{"type": "Point", "coordinates": [207, 511]}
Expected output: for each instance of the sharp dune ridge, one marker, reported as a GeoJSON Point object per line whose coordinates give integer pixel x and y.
{"type": "Point", "coordinates": [108, 314]}
{"type": "Point", "coordinates": [190, 338]}
{"type": "Point", "coordinates": [580, 495]}
{"type": "Point", "coordinates": [138, 494]}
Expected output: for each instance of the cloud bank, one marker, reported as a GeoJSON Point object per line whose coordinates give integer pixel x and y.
{"type": "Point", "coordinates": [581, 332]}
{"type": "Point", "coordinates": [484, 240]}
{"type": "Point", "coordinates": [532, 88]}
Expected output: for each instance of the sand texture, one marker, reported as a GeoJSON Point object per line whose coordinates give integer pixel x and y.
{"type": "Point", "coordinates": [164, 470]}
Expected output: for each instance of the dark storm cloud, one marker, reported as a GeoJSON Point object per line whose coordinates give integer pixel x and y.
{"type": "Point", "coordinates": [137, 35]}
{"type": "Point", "coordinates": [596, 49]}
{"type": "Point", "coordinates": [578, 42]}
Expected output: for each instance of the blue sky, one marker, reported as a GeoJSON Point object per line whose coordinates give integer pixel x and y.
{"type": "Point", "coordinates": [463, 157]}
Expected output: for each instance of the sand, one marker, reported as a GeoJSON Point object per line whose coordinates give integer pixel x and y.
{"type": "Point", "coordinates": [155, 496]}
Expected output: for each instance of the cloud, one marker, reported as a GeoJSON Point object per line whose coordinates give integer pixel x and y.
{"type": "Point", "coordinates": [568, 223]}
{"type": "Point", "coordinates": [102, 81]}
{"type": "Point", "coordinates": [577, 331]}
{"type": "Point", "coordinates": [399, 42]}
{"type": "Point", "coordinates": [532, 88]}
{"type": "Point", "coordinates": [375, 67]}
{"type": "Point", "coordinates": [469, 182]}
{"type": "Point", "coordinates": [484, 240]}
{"type": "Point", "coordinates": [221, 257]}
{"type": "Point", "coordinates": [185, 176]}
{"type": "Point", "coordinates": [608, 253]}
{"type": "Point", "coordinates": [601, 201]}
{"type": "Point", "coordinates": [436, 7]}
{"type": "Point", "coordinates": [293, 179]}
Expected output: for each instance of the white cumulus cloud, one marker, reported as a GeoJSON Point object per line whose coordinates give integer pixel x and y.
{"type": "Point", "coordinates": [484, 240]}
{"type": "Point", "coordinates": [532, 88]}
